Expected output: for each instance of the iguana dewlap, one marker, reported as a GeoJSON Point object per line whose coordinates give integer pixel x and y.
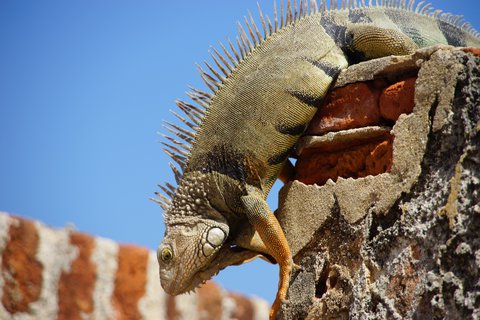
{"type": "Point", "coordinates": [265, 92]}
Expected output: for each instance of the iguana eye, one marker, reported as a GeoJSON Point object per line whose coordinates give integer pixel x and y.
{"type": "Point", "coordinates": [166, 254]}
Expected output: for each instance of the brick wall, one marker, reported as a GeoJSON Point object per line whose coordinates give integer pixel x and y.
{"type": "Point", "coordinates": [63, 274]}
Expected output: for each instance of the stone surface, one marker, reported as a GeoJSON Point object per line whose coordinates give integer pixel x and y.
{"type": "Point", "coordinates": [403, 244]}
{"type": "Point", "coordinates": [64, 274]}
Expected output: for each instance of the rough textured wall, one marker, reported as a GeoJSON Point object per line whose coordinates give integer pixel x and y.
{"type": "Point", "coordinates": [63, 274]}
{"type": "Point", "coordinates": [400, 239]}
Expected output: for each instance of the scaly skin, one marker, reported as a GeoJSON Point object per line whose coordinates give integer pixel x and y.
{"type": "Point", "coordinates": [270, 89]}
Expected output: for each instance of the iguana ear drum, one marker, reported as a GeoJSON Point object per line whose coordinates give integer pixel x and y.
{"type": "Point", "coordinates": [214, 239]}
{"type": "Point", "coordinates": [215, 236]}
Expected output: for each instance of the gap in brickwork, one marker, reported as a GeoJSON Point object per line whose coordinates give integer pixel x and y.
{"type": "Point", "coordinates": [350, 136]}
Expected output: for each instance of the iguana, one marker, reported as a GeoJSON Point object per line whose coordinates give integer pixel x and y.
{"type": "Point", "coordinates": [265, 90]}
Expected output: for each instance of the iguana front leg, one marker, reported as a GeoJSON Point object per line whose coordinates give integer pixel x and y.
{"type": "Point", "coordinates": [266, 224]}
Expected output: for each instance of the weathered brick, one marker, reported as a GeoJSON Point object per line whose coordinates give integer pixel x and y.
{"type": "Point", "coordinates": [475, 51]}
{"type": "Point", "coordinates": [130, 281]}
{"type": "Point", "coordinates": [352, 106]}
{"type": "Point", "coordinates": [372, 158]}
{"type": "Point", "coordinates": [397, 99]}
{"type": "Point", "coordinates": [403, 287]}
{"type": "Point", "coordinates": [244, 309]}
{"type": "Point", "coordinates": [21, 271]}
{"type": "Point", "coordinates": [210, 302]}
{"type": "Point", "coordinates": [75, 288]}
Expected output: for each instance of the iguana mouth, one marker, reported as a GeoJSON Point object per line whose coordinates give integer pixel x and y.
{"type": "Point", "coordinates": [227, 256]}
{"type": "Point", "coordinates": [224, 257]}
{"type": "Point", "coordinates": [197, 280]}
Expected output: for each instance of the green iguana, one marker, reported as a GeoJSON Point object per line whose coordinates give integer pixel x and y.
{"type": "Point", "coordinates": [265, 91]}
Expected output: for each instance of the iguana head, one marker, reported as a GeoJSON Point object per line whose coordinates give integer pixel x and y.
{"type": "Point", "coordinates": [195, 235]}
{"type": "Point", "coordinates": [187, 252]}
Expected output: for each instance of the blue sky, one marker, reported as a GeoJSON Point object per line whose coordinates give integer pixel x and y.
{"type": "Point", "coordinates": [84, 86]}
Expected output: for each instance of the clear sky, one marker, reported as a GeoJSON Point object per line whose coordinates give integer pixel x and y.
{"type": "Point", "coordinates": [84, 86]}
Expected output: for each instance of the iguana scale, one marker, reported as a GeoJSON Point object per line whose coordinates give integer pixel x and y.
{"type": "Point", "coordinates": [265, 91]}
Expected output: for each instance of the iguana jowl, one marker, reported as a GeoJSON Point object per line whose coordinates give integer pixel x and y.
{"type": "Point", "coordinates": [265, 92]}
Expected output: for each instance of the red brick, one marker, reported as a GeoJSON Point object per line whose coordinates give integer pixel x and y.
{"type": "Point", "coordinates": [352, 106]}
{"type": "Point", "coordinates": [130, 281]}
{"type": "Point", "coordinates": [22, 272]}
{"type": "Point", "coordinates": [75, 288]}
{"type": "Point", "coordinates": [210, 301]}
{"type": "Point", "coordinates": [380, 158]}
{"type": "Point", "coordinates": [397, 99]}
{"type": "Point", "coordinates": [172, 312]}
{"type": "Point", "coordinates": [243, 307]}
{"type": "Point", "coordinates": [372, 158]}
{"type": "Point", "coordinates": [475, 51]}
